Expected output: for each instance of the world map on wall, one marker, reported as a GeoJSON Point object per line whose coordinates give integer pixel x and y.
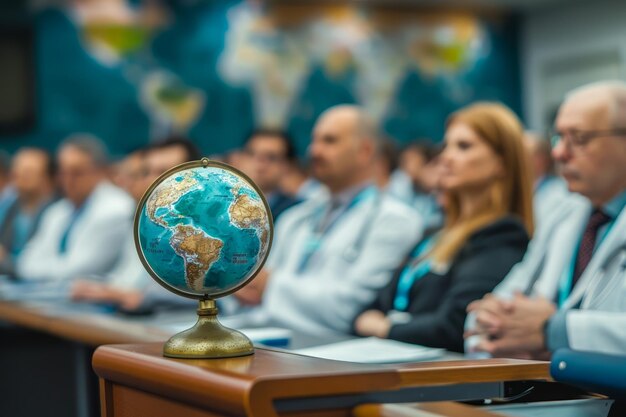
{"type": "Point", "coordinates": [276, 59]}
{"type": "Point", "coordinates": [213, 71]}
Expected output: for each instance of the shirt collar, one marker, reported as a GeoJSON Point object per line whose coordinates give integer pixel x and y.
{"type": "Point", "coordinates": [615, 206]}
{"type": "Point", "coordinates": [346, 196]}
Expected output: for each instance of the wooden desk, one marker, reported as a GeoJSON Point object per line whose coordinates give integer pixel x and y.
{"type": "Point", "coordinates": [45, 356]}
{"type": "Point", "coordinates": [78, 323]}
{"type": "Point", "coordinates": [136, 380]}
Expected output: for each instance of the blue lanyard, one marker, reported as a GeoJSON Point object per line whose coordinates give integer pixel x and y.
{"type": "Point", "coordinates": [314, 243]}
{"type": "Point", "coordinates": [565, 283]}
{"type": "Point", "coordinates": [66, 234]}
{"type": "Point", "coordinates": [412, 272]}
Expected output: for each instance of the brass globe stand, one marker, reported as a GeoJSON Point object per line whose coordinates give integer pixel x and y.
{"type": "Point", "coordinates": [208, 339]}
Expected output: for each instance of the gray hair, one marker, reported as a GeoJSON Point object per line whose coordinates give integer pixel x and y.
{"type": "Point", "coordinates": [89, 145]}
{"type": "Point", "coordinates": [614, 91]}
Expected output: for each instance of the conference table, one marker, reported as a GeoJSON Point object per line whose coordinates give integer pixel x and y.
{"type": "Point", "coordinates": [46, 354]}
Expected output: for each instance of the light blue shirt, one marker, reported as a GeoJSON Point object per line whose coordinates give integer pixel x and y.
{"type": "Point", "coordinates": [556, 329]}
{"type": "Point", "coordinates": [22, 229]}
{"type": "Point", "coordinates": [7, 198]}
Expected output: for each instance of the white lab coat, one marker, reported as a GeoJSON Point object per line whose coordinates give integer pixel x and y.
{"type": "Point", "coordinates": [128, 272]}
{"type": "Point", "coordinates": [93, 245]}
{"type": "Point", "coordinates": [600, 291]}
{"type": "Point", "coordinates": [548, 198]}
{"type": "Point", "coordinates": [356, 258]}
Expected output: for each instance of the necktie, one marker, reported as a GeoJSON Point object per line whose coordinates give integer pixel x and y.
{"type": "Point", "coordinates": [597, 219]}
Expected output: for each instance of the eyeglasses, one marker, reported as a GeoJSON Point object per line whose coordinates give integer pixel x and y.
{"type": "Point", "coordinates": [264, 156]}
{"type": "Point", "coordinates": [580, 138]}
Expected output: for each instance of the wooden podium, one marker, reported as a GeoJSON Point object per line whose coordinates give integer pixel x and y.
{"type": "Point", "coordinates": [136, 380]}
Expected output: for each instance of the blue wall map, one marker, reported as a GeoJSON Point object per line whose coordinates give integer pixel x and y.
{"type": "Point", "coordinates": [215, 70]}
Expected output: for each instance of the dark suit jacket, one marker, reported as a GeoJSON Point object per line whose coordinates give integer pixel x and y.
{"type": "Point", "coordinates": [437, 302]}
{"type": "Point", "coordinates": [280, 202]}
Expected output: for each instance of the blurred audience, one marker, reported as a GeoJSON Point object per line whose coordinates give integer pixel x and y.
{"type": "Point", "coordinates": [80, 234]}
{"type": "Point", "coordinates": [130, 171]}
{"type": "Point", "coordinates": [7, 193]}
{"type": "Point", "coordinates": [415, 182]}
{"type": "Point", "coordinates": [331, 256]}
{"type": "Point", "coordinates": [486, 181]}
{"type": "Point", "coordinates": [570, 289]}
{"type": "Point", "coordinates": [386, 163]}
{"type": "Point", "coordinates": [128, 285]}
{"type": "Point", "coordinates": [549, 188]}
{"type": "Point", "coordinates": [298, 183]}
{"type": "Point", "coordinates": [267, 156]}
{"type": "Point", "coordinates": [235, 158]}
{"type": "Point", "coordinates": [33, 179]}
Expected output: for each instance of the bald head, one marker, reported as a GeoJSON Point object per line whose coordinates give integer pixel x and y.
{"type": "Point", "coordinates": [608, 97]}
{"type": "Point", "coordinates": [344, 147]}
{"type": "Point", "coordinates": [595, 167]}
{"type": "Point", "coordinates": [355, 118]}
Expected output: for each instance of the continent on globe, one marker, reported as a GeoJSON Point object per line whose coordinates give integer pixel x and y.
{"type": "Point", "coordinates": [246, 213]}
{"type": "Point", "coordinates": [198, 250]}
{"type": "Point", "coordinates": [166, 196]}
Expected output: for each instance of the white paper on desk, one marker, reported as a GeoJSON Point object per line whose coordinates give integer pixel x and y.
{"type": "Point", "coordinates": [372, 350]}
{"type": "Point", "coordinates": [260, 334]}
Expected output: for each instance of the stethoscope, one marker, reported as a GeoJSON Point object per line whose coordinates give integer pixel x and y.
{"type": "Point", "coordinates": [351, 252]}
{"type": "Point", "coordinates": [611, 262]}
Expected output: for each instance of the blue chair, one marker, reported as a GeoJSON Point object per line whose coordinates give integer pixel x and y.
{"type": "Point", "coordinates": [595, 372]}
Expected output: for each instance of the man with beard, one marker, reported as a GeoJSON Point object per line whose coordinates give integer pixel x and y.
{"type": "Point", "coordinates": [331, 256]}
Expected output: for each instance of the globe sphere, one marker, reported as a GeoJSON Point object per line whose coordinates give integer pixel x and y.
{"type": "Point", "coordinates": [203, 229]}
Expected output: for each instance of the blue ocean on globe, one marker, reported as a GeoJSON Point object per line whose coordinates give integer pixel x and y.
{"type": "Point", "coordinates": [204, 231]}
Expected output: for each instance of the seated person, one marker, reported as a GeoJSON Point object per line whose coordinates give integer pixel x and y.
{"type": "Point", "coordinates": [414, 182]}
{"type": "Point", "coordinates": [298, 184]}
{"type": "Point", "coordinates": [80, 234]}
{"type": "Point", "coordinates": [267, 154]}
{"type": "Point", "coordinates": [330, 256]}
{"type": "Point", "coordinates": [128, 272]}
{"type": "Point", "coordinates": [549, 189]}
{"type": "Point", "coordinates": [570, 289]}
{"type": "Point", "coordinates": [486, 181]}
{"type": "Point", "coordinates": [128, 285]}
{"type": "Point", "coordinates": [32, 178]}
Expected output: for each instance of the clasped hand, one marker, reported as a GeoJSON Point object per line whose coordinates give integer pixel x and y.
{"type": "Point", "coordinates": [511, 328]}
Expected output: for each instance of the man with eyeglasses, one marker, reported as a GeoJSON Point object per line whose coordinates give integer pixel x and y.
{"type": "Point", "coordinates": [569, 290]}
{"type": "Point", "coordinates": [267, 154]}
{"type": "Point", "coordinates": [82, 233]}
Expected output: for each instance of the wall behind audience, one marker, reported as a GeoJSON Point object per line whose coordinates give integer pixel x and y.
{"type": "Point", "coordinates": [214, 70]}
{"type": "Point", "coordinates": [566, 47]}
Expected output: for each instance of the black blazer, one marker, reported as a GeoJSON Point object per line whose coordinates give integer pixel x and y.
{"type": "Point", "coordinates": [281, 202]}
{"type": "Point", "coordinates": [437, 302]}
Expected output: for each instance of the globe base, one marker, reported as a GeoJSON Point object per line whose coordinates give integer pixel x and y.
{"type": "Point", "coordinates": [208, 339]}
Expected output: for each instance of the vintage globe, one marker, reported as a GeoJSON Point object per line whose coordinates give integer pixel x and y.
{"type": "Point", "coordinates": [203, 229]}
